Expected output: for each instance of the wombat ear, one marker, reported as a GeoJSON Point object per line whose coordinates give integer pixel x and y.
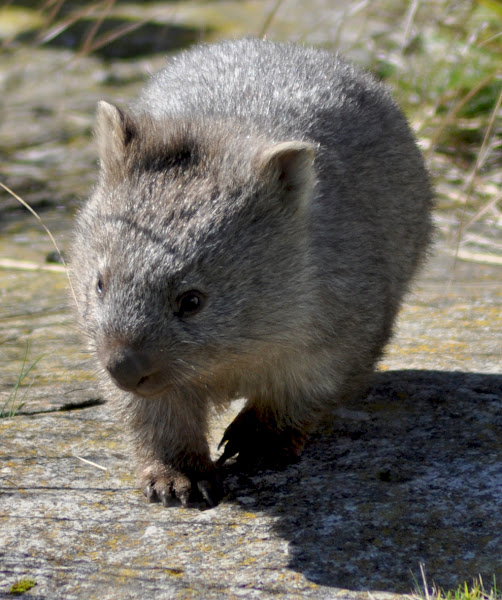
{"type": "Point", "coordinates": [114, 130]}
{"type": "Point", "coordinates": [290, 166]}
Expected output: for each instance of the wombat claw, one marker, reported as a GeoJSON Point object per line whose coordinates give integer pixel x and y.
{"type": "Point", "coordinates": [188, 491]}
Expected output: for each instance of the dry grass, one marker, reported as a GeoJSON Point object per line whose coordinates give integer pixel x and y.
{"type": "Point", "coordinates": [442, 59]}
{"type": "Point", "coordinates": [475, 591]}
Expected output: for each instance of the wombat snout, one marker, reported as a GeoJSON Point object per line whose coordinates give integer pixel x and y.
{"type": "Point", "coordinates": [132, 370]}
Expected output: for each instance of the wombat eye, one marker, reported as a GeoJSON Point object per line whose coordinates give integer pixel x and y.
{"type": "Point", "coordinates": [189, 303]}
{"type": "Point", "coordinates": [100, 286]}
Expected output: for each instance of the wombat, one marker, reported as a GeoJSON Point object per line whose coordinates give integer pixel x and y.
{"type": "Point", "coordinates": [259, 213]}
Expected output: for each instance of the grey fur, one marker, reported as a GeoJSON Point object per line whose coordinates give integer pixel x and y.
{"type": "Point", "coordinates": [284, 186]}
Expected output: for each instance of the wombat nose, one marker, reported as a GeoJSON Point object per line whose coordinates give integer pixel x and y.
{"type": "Point", "coordinates": [129, 368]}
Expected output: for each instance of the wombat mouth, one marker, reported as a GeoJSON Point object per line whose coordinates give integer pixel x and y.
{"type": "Point", "coordinates": [151, 385]}
{"type": "Point", "coordinates": [147, 386]}
{"type": "Point", "coordinates": [134, 371]}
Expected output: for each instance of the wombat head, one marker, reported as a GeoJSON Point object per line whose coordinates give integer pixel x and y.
{"type": "Point", "coordinates": [190, 262]}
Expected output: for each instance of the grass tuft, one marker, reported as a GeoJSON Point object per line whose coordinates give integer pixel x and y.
{"type": "Point", "coordinates": [13, 404]}
{"type": "Point", "coordinates": [475, 591]}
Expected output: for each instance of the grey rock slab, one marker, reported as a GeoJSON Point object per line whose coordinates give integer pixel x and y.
{"type": "Point", "coordinates": [82, 532]}
{"type": "Point", "coordinates": [410, 473]}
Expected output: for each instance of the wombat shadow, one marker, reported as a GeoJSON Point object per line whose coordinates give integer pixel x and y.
{"type": "Point", "coordinates": [409, 474]}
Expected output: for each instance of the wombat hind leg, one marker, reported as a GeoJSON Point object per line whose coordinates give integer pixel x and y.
{"type": "Point", "coordinates": [260, 442]}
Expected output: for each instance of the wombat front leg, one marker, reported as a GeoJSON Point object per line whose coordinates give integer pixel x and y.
{"type": "Point", "coordinates": [261, 441]}
{"type": "Point", "coordinates": [172, 453]}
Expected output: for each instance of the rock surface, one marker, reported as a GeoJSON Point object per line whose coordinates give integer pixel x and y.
{"type": "Point", "coordinates": [410, 474]}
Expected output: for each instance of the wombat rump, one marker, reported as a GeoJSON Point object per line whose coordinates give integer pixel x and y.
{"type": "Point", "coordinates": [259, 213]}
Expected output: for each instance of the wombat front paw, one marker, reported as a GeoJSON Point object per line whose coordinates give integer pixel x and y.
{"type": "Point", "coordinates": [260, 443]}
{"type": "Point", "coordinates": [168, 485]}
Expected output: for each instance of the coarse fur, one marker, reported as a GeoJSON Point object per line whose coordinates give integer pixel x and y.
{"type": "Point", "coordinates": [260, 211]}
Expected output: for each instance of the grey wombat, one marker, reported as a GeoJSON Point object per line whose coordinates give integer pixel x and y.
{"type": "Point", "coordinates": [259, 213]}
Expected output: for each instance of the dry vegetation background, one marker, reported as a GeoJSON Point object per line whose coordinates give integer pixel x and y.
{"type": "Point", "coordinates": [442, 58]}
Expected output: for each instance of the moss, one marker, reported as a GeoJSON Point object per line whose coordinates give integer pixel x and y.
{"type": "Point", "coordinates": [22, 586]}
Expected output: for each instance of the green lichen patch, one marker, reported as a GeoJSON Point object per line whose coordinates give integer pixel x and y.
{"type": "Point", "coordinates": [22, 586]}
